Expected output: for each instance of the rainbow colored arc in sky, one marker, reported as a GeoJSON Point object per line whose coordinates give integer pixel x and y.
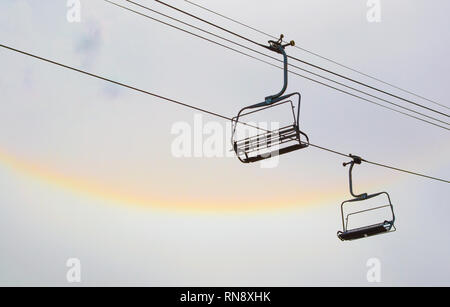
{"type": "Point", "coordinates": [97, 190]}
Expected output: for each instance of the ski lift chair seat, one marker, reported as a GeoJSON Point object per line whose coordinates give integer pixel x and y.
{"type": "Point", "coordinates": [287, 139]}
{"type": "Point", "coordinates": [366, 231]}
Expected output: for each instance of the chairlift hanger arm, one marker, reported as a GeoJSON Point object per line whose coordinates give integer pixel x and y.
{"type": "Point", "coordinates": [356, 160]}
{"type": "Point", "coordinates": [278, 47]}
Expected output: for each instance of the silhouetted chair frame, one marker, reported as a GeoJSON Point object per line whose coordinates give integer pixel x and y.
{"type": "Point", "coordinates": [370, 230]}
{"type": "Point", "coordinates": [288, 138]}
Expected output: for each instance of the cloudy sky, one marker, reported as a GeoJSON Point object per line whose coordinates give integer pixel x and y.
{"type": "Point", "coordinates": [87, 171]}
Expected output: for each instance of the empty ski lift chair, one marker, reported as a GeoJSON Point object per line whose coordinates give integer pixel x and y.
{"type": "Point", "coordinates": [270, 143]}
{"type": "Point", "coordinates": [367, 231]}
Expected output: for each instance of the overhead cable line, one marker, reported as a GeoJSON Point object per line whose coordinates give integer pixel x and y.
{"type": "Point", "coordinates": [295, 73]}
{"type": "Point", "coordinates": [303, 61]}
{"type": "Point", "coordinates": [317, 55]}
{"type": "Point", "coordinates": [195, 107]}
{"type": "Point", "coordinates": [271, 57]}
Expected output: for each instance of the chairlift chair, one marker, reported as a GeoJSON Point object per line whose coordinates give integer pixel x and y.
{"type": "Point", "coordinates": [270, 143]}
{"type": "Point", "coordinates": [367, 231]}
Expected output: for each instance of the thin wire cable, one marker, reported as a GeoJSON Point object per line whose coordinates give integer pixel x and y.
{"type": "Point", "coordinates": [304, 62]}
{"type": "Point", "coordinates": [318, 55]}
{"type": "Point", "coordinates": [112, 81]}
{"type": "Point", "coordinates": [194, 107]}
{"type": "Point", "coordinates": [295, 73]}
{"type": "Point", "coordinates": [369, 86]}
{"type": "Point", "coordinates": [404, 171]}
{"type": "Point", "coordinates": [271, 57]}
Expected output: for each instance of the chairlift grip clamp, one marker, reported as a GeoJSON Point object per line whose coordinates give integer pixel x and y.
{"type": "Point", "coordinates": [278, 45]}
{"type": "Point", "coordinates": [356, 160]}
